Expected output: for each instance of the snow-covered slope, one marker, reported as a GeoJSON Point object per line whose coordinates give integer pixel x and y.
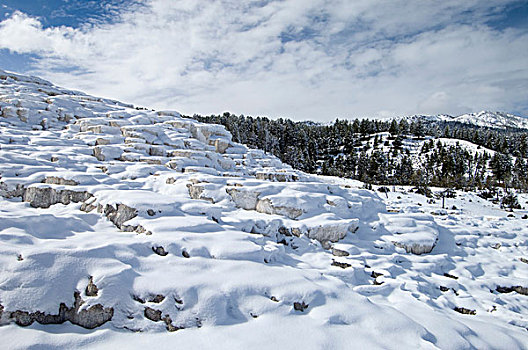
{"type": "Point", "coordinates": [498, 120]}
{"type": "Point", "coordinates": [128, 227]}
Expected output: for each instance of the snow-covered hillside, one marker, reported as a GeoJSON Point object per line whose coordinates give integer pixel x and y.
{"type": "Point", "coordinates": [498, 120]}
{"type": "Point", "coordinates": [125, 227]}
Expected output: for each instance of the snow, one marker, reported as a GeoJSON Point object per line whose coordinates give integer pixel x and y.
{"type": "Point", "coordinates": [246, 238]}
{"type": "Point", "coordinates": [488, 119]}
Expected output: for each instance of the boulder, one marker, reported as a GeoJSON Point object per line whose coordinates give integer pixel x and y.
{"type": "Point", "coordinates": [152, 314]}
{"type": "Point", "coordinates": [244, 198]}
{"type": "Point", "coordinates": [91, 317]}
{"type": "Point", "coordinates": [332, 232]}
{"type": "Point", "coordinates": [277, 176]}
{"type": "Point", "coordinates": [339, 252]}
{"type": "Point", "coordinates": [415, 232]}
{"type": "Point", "coordinates": [54, 180]}
{"type": "Point", "coordinates": [44, 197]}
{"type": "Point", "coordinates": [7, 192]}
{"type": "Point", "coordinates": [119, 214]}
{"type": "Point", "coordinates": [266, 206]}
{"type": "Point", "coordinates": [91, 289]}
{"type": "Point", "coordinates": [196, 191]}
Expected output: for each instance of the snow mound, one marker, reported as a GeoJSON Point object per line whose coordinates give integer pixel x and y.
{"type": "Point", "coordinates": [416, 233]}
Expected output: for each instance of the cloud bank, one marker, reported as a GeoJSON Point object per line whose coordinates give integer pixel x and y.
{"type": "Point", "coordinates": [315, 60]}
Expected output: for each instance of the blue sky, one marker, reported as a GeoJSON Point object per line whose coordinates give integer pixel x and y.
{"type": "Point", "coordinates": [318, 59]}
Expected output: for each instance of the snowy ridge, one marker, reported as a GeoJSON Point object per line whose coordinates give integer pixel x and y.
{"type": "Point", "coordinates": [150, 228]}
{"type": "Point", "coordinates": [498, 120]}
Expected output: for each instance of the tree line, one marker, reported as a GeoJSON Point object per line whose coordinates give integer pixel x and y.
{"type": "Point", "coordinates": [379, 152]}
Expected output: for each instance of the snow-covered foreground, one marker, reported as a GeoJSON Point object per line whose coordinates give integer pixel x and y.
{"type": "Point", "coordinates": [122, 227]}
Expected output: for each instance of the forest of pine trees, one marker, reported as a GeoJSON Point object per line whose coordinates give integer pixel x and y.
{"type": "Point", "coordinates": [355, 149]}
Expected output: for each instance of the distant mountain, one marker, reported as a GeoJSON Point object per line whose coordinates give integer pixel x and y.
{"type": "Point", "coordinates": [497, 120]}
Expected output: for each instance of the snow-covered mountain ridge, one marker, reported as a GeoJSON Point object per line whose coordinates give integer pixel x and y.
{"type": "Point", "coordinates": [149, 229]}
{"type": "Point", "coordinates": [488, 119]}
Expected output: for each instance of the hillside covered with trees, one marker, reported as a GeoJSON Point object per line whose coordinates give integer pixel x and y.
{"type": "Point", "coordinates": [396, 152]}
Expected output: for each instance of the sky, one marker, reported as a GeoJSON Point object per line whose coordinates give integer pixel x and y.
{"type": "Point", "coordinates": [301, 59]}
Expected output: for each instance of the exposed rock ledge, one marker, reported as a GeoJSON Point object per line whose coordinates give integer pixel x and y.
{"type": "Point", "coordinates": [333, 232]}
{"type": "Point", "coordinates": [44, 197]}
{"type": "Point", "coordinates": [92, 317]}
{"type": "Point", "coordinates": [40, 196]}
{"type": "Point", "coordinates": [249, 199]}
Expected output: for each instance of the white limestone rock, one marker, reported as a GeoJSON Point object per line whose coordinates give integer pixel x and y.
{"type": "Point", "coordinates": [244, 198]}
{"type": "Point", "coordinates": [267, 206]}
{"type": "Point", "coordinates": [417, 233]}
{"type": "Point", "coordinates": [333, 232]}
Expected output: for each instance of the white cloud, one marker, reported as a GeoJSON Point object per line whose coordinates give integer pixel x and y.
{"type": "Point", "coordinates": [305, 60]}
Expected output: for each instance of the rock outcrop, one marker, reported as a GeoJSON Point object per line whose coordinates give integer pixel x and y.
{"type": "Point", "coordinates": [120, 214]}
{"type": "Point", "coordinates": [44, 197]}
{"type": "Point", "coordinates": [267, 206]}
{"type": "Point", "coordinates": [244, 198]}
{"type": "Point", "coordinates": [332, 232]}
{"type": "Point", "coordinates": [277, 176]}
{"type": "Point", "coordinates": [91, 317]}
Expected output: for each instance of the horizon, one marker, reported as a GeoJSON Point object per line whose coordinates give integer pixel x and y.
{"type": "Point", "coordinates": [329, 121]}
{"type": "Point", "coordinates": [306, 62]}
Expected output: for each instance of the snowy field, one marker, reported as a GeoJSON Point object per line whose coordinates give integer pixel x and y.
{"type": "Point", "coordinates": [131, 228]}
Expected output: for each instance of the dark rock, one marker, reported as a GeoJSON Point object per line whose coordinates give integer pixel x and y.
{"type": "Point", "coordinates": [285, 231]}
{"type": "Point", "coordinates": [120, 214]}
{"type": "Point", "coordinates": [138, 299]}
{"type": "Point", "coordinates": [300, 306]}
{"type": "Point", "coordinates": [152, 314]}
{"type": "Point", "coordinates": [465, 311]}
{"type": "Point", "coordinates": [158, 298]}
{"type": "Point", "coordinates": [91, 288]}
{"type": "Point", "coordinates": [22, 318]}
{"type": "Point", "coordinates": [274, 299]}
{"type": "Point", "coordinates": [521, 290]}
{"type": "Point", "coordinates": [282, 241]}
{"type": "Point", "coordinates": [444, 289]}
{"type": "Point", "coordinates": [375, 274]}
{"type": "Point", "coordinates": [340, 264]}
{"type": "Point", "coordinates": [160, 251]}
{"type": "Point", "coordinates": [518, 289]}
{"type": "Point", "coordinates": [524, 260]}
{"type": "Point", "coordinates": [185, 254]}
{"type": "Point", "coordinates": [151, 212]}
{"type": "Point", "coordinates": [504, 289]}
{"type": "Point", "coordinates": [44, 197]}
{"type": "Point", "coordinates": [450, 276]}
{"type": "Point", "coordinates": [90, 318]}
{"type": "Point", "coordinates": [296, 232]}
{"type": "Point", "coordinates": [170, 327]}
